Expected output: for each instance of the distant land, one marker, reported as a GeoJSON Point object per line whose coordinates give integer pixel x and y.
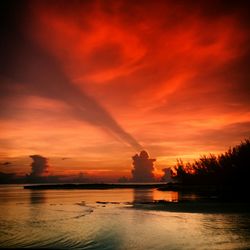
{"type": "Point", "coordinates": [97, 186]}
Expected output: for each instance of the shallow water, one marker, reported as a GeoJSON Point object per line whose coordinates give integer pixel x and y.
{"type": "Point", "coordinates": [65, 219]}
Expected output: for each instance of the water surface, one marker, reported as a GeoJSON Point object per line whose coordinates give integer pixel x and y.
{"type": "Point", "coordinates": [81, 219]}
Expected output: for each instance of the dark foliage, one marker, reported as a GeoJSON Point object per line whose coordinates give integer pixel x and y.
{"type": "Point", "coordinates": [231, 168]}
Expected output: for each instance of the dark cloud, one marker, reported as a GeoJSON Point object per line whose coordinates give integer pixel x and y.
{"type": "Point", "coordinates": [218, 8]}
{"type": "Point", "coordinates": [7, 163]}
{"type": "Point", "coordinates": [40, 174]}
{"type": "Point", "coordinates": [143, 168]}
{"type": "Point", "coordinates": [39, 166]}
{"type": "Point", "coordinates": [167, 175]}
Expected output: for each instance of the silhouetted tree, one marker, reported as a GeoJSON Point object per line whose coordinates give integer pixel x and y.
{"type": "Point", "coordinates": [231, 167]}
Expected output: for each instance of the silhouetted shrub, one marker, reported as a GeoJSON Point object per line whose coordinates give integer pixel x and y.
{"type": "Point", "coordinates": [231, 167]}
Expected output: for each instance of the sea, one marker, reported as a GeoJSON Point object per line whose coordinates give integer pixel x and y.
{"type": "Point", "coordinates": [108, 219]}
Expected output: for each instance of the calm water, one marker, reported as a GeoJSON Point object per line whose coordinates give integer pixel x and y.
{"type": "Point", "coordinates": [65, 219]}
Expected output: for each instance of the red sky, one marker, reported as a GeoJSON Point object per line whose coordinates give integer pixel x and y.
{"type": "Point", "coordinates": [172, 76]}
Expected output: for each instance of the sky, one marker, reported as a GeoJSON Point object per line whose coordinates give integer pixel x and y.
{"type": "Point", "coordinates": [85, 85]}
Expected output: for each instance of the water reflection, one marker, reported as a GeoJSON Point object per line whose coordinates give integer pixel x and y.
{"type": "Point", "coordinates": [151, 195]}
{"type": "Point", "coordinates": [37, 196]}
{"type": "Point", "coordinates": [143, 195]}
{"type": "Point", "coordinates": [170, 196]}
{"type": "Point", "coordinates": [36, 212]}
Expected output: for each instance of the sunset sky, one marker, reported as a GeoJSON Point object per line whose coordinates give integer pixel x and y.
{"type": "Point", "coordinates": [87, 84]}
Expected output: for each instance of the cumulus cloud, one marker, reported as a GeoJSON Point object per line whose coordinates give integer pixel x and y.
{"type": "Point", "coordinates": [143, 168]}
{"type": "Point", "coordinates": [39, 166]}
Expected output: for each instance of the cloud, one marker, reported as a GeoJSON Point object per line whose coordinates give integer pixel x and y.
{"type": "Point", "coordinates": [7, 163]}
{"type": "Point", "coordinates": [167, 175]}
{"type": "Point", "coordinates": [138, 53]}
{"type": "Point", "coordinates": [31, 70]}
{"type": "Point", "coordinates": [39, 166]}
{"type": "Point", "coordinates": [173, 73]}
{"type": "Point", "coordinates": [229, 134]}
{"type": "Point", "coordinates": [143, 168]}
{"type": "Point", "coordinates": [65, 158]}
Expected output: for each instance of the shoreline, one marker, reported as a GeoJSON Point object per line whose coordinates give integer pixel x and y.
{"type": "Point", "coordinates": [211, 207]}
{"type": "Point", "coordinates": [96, 186]}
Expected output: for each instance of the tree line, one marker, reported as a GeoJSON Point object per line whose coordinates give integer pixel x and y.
{"type": "Point", "coordinates": [231, 167]}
